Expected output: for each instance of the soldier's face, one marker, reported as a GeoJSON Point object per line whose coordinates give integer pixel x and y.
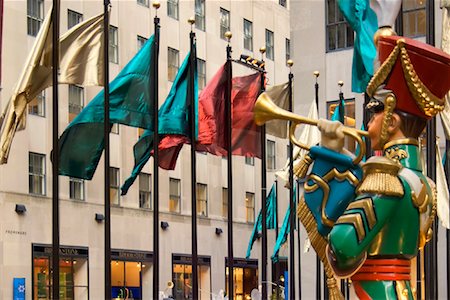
{"type": "Point", "coordinates": [374, 129]}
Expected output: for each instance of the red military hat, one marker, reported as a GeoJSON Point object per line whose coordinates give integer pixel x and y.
{"type": "Point", "coordinates": [417, 73]}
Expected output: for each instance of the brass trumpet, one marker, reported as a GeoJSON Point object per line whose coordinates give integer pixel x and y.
{"type": "Point", "coordinates": [265, 110]}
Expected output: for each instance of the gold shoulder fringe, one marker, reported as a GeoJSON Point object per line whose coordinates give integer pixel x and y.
{"type": "Point", "coordinates": [381, 177]}
{"type": "Point", "coordinates": [319, 243]}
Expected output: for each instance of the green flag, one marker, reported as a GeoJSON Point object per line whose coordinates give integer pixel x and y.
{"type": "Point", "coordinates": [339, 112]}
{"type": "Point", "coordinates": [173, 118]}
{"type": "Point", "coordinates": [82, 143]}
{"type": "Point", "coordinates": [271, 220]}
{"type": "Point", "coordinates": [284, 231]}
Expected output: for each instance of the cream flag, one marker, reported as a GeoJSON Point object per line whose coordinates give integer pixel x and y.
{"type": "Point", "coordinates": [445, 114]}
{"type": "Point", "coordinates": [279, 94]}
{"type": "Point", "coordinates": [442, 190]}
{"type": "Point", "coordinates": [81, 62]}
{"type": "Point", "coordinates": [310, 136]}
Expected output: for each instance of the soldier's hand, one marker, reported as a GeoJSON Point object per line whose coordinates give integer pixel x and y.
{"type": "Point", "coordinates": [332, 134]}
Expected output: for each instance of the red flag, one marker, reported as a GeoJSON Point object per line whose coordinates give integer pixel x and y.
{"type": "Point", "coordinates": [212, 120]}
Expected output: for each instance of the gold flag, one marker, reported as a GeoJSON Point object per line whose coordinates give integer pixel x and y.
{"type": "Point", "coordinates": [309, 135]}
{"type": "Point", "coordinates": [81, 63]}
{"type": "Point", "coordinates": [279, 94]}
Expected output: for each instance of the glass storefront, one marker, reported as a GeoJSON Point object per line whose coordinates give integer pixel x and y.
{"type": "Point", "coordinates": [73, 272]}
{"type": "Point", "coordinates": [182, 276]}
{"type": "Point", "coordinates": [245, 273]}
{"type": "Point", "coordinates": [279, 273]}
{"type": "Point", "coordinates": [130, 272]}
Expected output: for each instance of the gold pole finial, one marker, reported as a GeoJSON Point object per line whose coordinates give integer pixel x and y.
{"type": "Point", "coordinates": [290, 63]}
{"type": "Point", "coordinates": [316, 73]}
{"type": "Point", "coordinates": [156, 4]}
{"type": "Point", "coordinates": [191, 21]}
{"type": "Point", "coordinates": [262, 50]}
{"type": "Point", "coordinates": [340, 84]}
{"type": "Point", "coordinates": [228, 35]}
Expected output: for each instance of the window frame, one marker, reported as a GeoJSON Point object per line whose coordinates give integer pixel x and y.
{"type": "Point", "coordinates": [270, 44]}
{"type": "Point", "coordinates": [178, 197]}
{"type": "Point", "coordinates": [172, 68]}
{"type": "Point", "coordinates": [248, 37]}
{"type": "Point", "coordinates": [225, 203]}
{"type": "Point", "coordinates": [144, 3]}
{"type": "Point", "coordinates": [72, 182]}
{"type": "Point", "coordinates": [140, 42]}
{"type": "Point", "coordinates": [272, 157]}
{"type": "Point", "coordinates": [175, 6]}
{"type": "Point", "coordinates": [32, 174]}
{"type": "Point", "coordinates": [75, 108]}
{"type": "Point", "coordinates": [113, 44]}
{"type": "Point", "coordinates": [201, 200]}
{"type": "Point", "coordinates": [339, 20]}
{"type": "Point", "coordinates": [147, 193]}
{"type": "Point", "coordinates": [114, 185]}
{"type": "Point", "coordinates": [75, 14]}
{"type": "Point", "coordinates": [200, 15]}
{"type": "Point", "coordinates": [224, 15]}
{"type": "Point", "coordinates": [249, 207]}
{"type": "Point", "coordinates": [287, 44]}
{"type": "Point", "coordinates": [406, 11]}
{"type": "Point", "coordinates": [40, 100]}
{"type": "Point", "coordinates": [201, 74]}
{"type": "Point", "coordinates": [283, 3]}
{"type": "Point", "coordinates": [35, 16]}
{"type": "Point", "coordinates": [249, 160]}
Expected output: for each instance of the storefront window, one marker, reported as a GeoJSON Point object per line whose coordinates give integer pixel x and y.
{"type": "Point", "coordinates": [130, 274]}
{"type": "Point", "coordinates": [182, 277]}
{"type": "Point", "coordinates": [73, 273]}
{"type": "Point", "coordinates": [279, 273]}
{"type": "Point", "coordinates": [245, 275]}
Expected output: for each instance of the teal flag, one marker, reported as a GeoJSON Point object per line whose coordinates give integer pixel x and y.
{"type": "Point", "coordinates": [173, 117]}
{"type": "Point", "coordinates": [284, 231]}
{"type": "Point", "coordinates": [339, 112]}
{"type": "Point", "coordinates": [271, 221]}
{"type": "Point", "coordinates": [81, 144]}
{"type": "Point", "coordinates": [364, 22]}
{"type": "Point", "coordinates": [358, 149]}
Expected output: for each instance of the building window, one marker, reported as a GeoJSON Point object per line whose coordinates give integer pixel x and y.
{"type": "Point", "coordinates": [279, 269]}
{"type": "Point", "coordinates": [35, 16]}
{"type": "Point", "coordinates": [73, 18]}
{"type": "Point", "coordinates": [248, 35]}
{"type": "Point", "coordinates": [140, 42]}
{"type": "Point", "coordinates": [288, 153]}
{"type": "Point", "coordinates": [182, 277]}
{"type": "Point", "coordinates": [250, 160]}
{"type": "Point", "coordinates": [245, 277]}
{"type": "Point", "coordinates": [201, 71]}
{"type": "Point", "coordinates": [172, 9]}
{"type": "Point", "coordinates": [288, 49]}
{"type": "Point", "coordinates": [175, 195]}
{"type": "Point", "coordinates": [270, 159]}
{"type": "Point", "coordinates": [173, 58]}
{"type": "Point", "coordinates": [269, 45]}
{"type": "Point", "coordinates": [37, 105]}
{"type": "Point", "coordinates": [225, 203]}
{"type": "Point", "coordinates": [145, 190]}
{"type": "Point", "coordinates": [76, 101]}
{"type": "Point", "coordinates": [114, 177]}
{"type": "Point", "coordinates": [414, 18]}
{"type": "Point", "coordinates": [143, 2]}
{"type": "Point", "coordinates": [339, 33]}
{"type": "Point", "coordinates": [113, 44]}
{"type": "Point", "coordinates": [282, 3]}
{"type": "Point", "coordinates": [224, 22]}
{"type": "Point", "coordinates": [36, 173]}
{"type": "Point", "coordinates": [349, 119]}
{"type": "Point", "coordinates": [130, 274]}
{"type": "Point", "coordinates": [250, 207]}
{"type": "Point", "coordinates": [202, 199]}
{"type": "Point", "coordinates": [200, 14]}
{"type": "Point", "coordinates": [76, 187]}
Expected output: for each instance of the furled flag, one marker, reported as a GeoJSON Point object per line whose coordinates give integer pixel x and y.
{"type": "Point", "coordinates": [279, 94]}
{"type": "Point", "coordinates": [442, 190]}
{"type": "Point", "coordinates": [284, 231]}
{"type": "Point", "coordinates": [173, 120]}
{"type": "Point", "coordinates": [271, 218]}
{"type": "Point", "coordinates": [339, 112]}
{"type": "Point", "coordinates": [81, 63]}
{"type": "Point", "coordinates": [82, 142]}
{"type": "Point", "coordinates": [211, 126]}
{"type": "Point", "coordinates": [310, 136]}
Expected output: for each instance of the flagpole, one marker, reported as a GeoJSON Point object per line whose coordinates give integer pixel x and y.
{"type": "Point", "coordinates": [106, 130]}
{"type": "Point", "coordinates": [299, 248]}
{"type": "Point", "coordinates": [291, 280]}
{"type": "Point", "coordinates": [341, 118]}
{"type": "Point", "coordinates": [191, 96]}
{"type": "Point", "coordinates": [262, 50]}
{"type": "Point", "coordinates": [277, 264]}
{"type": "Point", "coordinates": [154, 92]}
{"type": "Point", "coordinates": [228, 107]}
{"type": "Point", "coordinates": [318, 271]}
{"type": "Point", "coordinates": [446, 169]}
{"type": "Point", "coordinates": [55, 158]}
{"type": "Point", "coordinates": [431, 267]}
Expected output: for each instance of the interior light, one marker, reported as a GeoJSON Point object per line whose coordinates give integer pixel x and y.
{"type": "Point", "coordinates": [143, 266]}
{"type": "Point", "coordinates": [74, 262]}
{"type": "Point", "coordinates": [117, 263]}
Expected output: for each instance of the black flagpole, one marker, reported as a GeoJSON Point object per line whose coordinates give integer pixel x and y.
{"type": "Point", "coordinates": [291, 280]}
{"type": "Point", "coordinates": [299, 248]}
{"type": "Point", "coordinates": [107, 128]}
{"type": "Point", "coordinates": [228, 107]}
{"type": "Point", "coordinates": [446, 168]}
{"type": "Point", "coordinates": [341, 117]}
{"type": "Point", "coordinates": [154, 89]}
{"type": "Point", "coordinates": [55, 161]}
{"type": "Point", "coordinates": [192, 66]}
{"type": "Point", "coordinates": [318, 267]}
{"type": "Point", "coordinates": [277, 264]}
{"type": "Point", "coordinates": [262, 50]}
{"type": "Point", "coordinates": [431, 267]}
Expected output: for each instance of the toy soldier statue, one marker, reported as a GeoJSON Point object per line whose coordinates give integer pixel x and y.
{"type": "Point", "coordinates": [394, 206]}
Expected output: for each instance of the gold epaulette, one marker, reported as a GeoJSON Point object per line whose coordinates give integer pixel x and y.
{"type": "Point", "coordinates": [381, 177]}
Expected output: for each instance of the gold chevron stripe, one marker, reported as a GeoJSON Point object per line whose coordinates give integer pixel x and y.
{"type": "Point", "coordinates": [357, 222]}
{"type": "Point", "coordinates": [366, 205]}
